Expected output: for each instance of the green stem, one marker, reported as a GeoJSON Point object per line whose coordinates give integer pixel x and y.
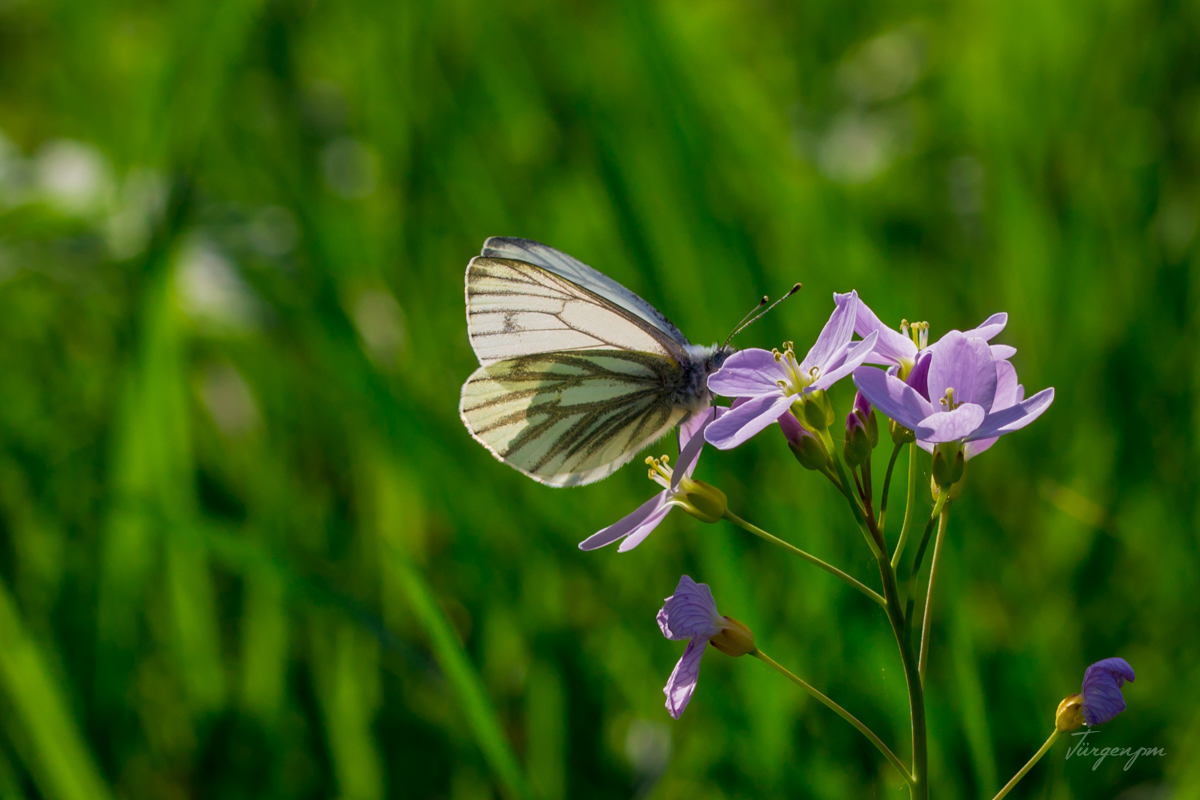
{"type": "Point", "coordinates": [933, 572]}
{"type": "Point", "coordinates": [832, 570]}
{"type": "Point", "coordinates": [841, 712]}
{"type": "Point", "coordinates": [887, 485]}
{"type": "Point", "coordinates": [1036, 757]}
{"type": "Point", "coordinates": [916, 693]}
{"type": "Point", "coordinates": [855, 506]}
{"type": "Point", "coordinates": [909, 515]}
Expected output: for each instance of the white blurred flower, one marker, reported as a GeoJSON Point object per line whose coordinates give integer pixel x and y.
{"type": "Point", "coordinates": [882, 69]}
{"type": "Point", "coordinates": [856, 147]}
{"type": "Point", "coordinates": [273, 231]}
{"type": "Point", "coordinates": [350, 168]}
{"type": "Point", "coordinates": [73, 176]}
{"type": "Point", "coordinates": [143, 201]}
{"type": "Point", "coordinates": [380, 323]}
{"type": "Point", "coordinates": [210, 288]}
{"type": "Point", "coordinates": [228, 400]}
{"type": "Point", "coordinates": [648, 747]}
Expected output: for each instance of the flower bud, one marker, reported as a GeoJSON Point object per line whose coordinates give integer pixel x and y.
{"type": "Point", "coordinates": [734, 640]}
{"type": "Point", "coordinates": [702, 500]}
{"type": "Point", "coordinates": [807, 448]}
{"type": "Point", "coordinates": [1070, 714]}
{"type": "Point", "coordinates": [948, 463]}
{"type": "Point", "coordinates": [857, 447]}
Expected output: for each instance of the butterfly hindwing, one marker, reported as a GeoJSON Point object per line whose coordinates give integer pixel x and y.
{"type": "Point", "coordinates": [571, 418]}
{"type": "Point", "coordinates": [516, 309]}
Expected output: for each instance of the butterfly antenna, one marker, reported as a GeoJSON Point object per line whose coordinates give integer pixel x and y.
{"type": "Point", "coordinates": [753, 311]}
{"type": "Point", "coordinates": [758, 313]}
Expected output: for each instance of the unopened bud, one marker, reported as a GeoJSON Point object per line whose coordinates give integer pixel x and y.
{"type": "Point", "coordinates": [703, 501]}
{"type": "Point", "coordinates": [948, 464]}
{"type": "Point", "coordinates": [1070, 714]}
{"type": "Point", "coordinates": [810, 453]}
{"type": "Point", "coordinates": [857, 448]}
{"type": "Point", "coordinates": [735, 639]}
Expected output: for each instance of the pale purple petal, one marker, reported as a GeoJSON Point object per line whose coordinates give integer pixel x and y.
{"type": "Point", "coordinates": [682, 682]}
{"type": "Point", "coordinates": [644, 514]}
{"type": "Point", "coordinates": [639, 534]}
{"type": "Point", "coordinates": [919, 377]}
{"type": "Point", "coordinates": [965, 365]}
{"type": "Point", "coordinates": [990, 327]}
{"type": "Point", "coordinates": [1007, 386]}
{"type": "Point", "coordinates": [689, 454]}
{"type": "Point", "coordinates": [747, 373]}
{"type": "Point", "coordinates": [746, 420]}
{"type": "Point", "coordinates": [690, 612]}
{"type": "Point", "coordinates": [834, 337]}
{"type": "Point", "coordinates": [950, 426]}
{"type": "Point", "coordinates": [1015, 417]}
{"type": "Point", "coordinates": [694, 422]}
{"type": "Point", "coordinates": [1002, 352]}
{"type": "Point", "coordinates": [892, 346]}
{"type": "Point", "coordinates": [853, 359]}
{"type": "Point", "coordinates": [1102, 698]}
{"type": "Point", "coordinates": [892, 396]}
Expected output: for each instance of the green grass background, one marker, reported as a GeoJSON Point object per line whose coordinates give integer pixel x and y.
{"type": "Point", "coordinates": [247, 549]}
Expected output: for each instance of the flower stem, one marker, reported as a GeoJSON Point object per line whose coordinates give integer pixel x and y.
{"type": "Point", "coordinates": [855, 505]}
{"type": "Point", "coordinates": [841, 712]}
{"type": "Point", "coordinates": [933, 571]}
{"type": "Point", "coordinates": [832, 570]}
{"type": "Point", "coordinates": [909, 516]}
{"type": "Point", "coordinates": [1036, 757]}
{"type": "Point", "coordinates": [887, 485]}
{"type": "Point", "coordinates": [916, 693]}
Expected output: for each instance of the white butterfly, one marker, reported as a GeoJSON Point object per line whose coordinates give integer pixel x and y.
{"type": "Point", "coordinates": [577, 373]}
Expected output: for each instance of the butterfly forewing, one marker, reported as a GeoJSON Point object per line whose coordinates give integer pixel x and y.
{"type": "Point", "coordinates": [581, 274]}
{"type": "Point", "coordinates": [567, 419]}
{"type": "Point", "coordinates": [516, 309]}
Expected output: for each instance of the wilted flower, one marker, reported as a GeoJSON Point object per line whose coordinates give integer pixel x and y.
{"type": "Point", "coordinates": [699, 499]}
{"type": "Point", "coordinates": [903, 348]}
{"type": "Point", "coordinates": [691, 613]}
{"type": "Point", "coordinates": [1101, 698]}
{"type": "Point", "coordinates": [773, 381]}
{"type": "Point", "coordinates": [972, 404]}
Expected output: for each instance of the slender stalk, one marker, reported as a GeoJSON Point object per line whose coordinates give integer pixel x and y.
{"type": "Point", "coordinates": [887, 485]}
{"type": "Point", "coordinates": [841, 712]}
{"type": "Point", "coordinates": [1036, 757]}
{"type": "Point", "coordinates": [855, 507]}
{"type": "Point", "coordinates": [933, 571]}
{"type": "Point", "coordinates": [916, 692]}
{"type": "Point", "coordinates": [909, 516]}
{"type": "Point", "coordinates": [832, 570]}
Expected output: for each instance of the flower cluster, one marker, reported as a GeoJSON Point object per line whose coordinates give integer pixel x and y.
{"type": "Point", "coordinates": [953, 398]}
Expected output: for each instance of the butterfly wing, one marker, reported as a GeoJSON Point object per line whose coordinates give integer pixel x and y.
{"type": "Point", "coordinates": [571, 418]}
{"type": "Point", "coordinates": [518, 309]}
{"type": "Point", "coordinates": [581, 274]}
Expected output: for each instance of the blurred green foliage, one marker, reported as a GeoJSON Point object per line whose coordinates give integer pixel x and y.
{"type": "Point", "coordinates": [248, 550]}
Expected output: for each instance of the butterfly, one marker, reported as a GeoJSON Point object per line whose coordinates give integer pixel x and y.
{"type": "Point", "coordinates": [577, 374]}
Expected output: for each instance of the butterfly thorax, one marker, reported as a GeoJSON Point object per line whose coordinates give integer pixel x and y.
{"type": "Point", "coordinates": [701, 362]}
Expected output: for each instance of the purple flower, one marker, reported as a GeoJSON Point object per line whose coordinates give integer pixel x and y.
{"type": "Point", "coordinates": [691, 613]}
{"type": "Point", "coordinates": [678, 490]}
{"type": "Point", "coordinates": [972, 404]}
{"type": "Point", "coordinates": [771, 382]}
{"type": "Point", "coordinates": [902, 348]}
{"type": "Point", "coordinates": [1102, 698]}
